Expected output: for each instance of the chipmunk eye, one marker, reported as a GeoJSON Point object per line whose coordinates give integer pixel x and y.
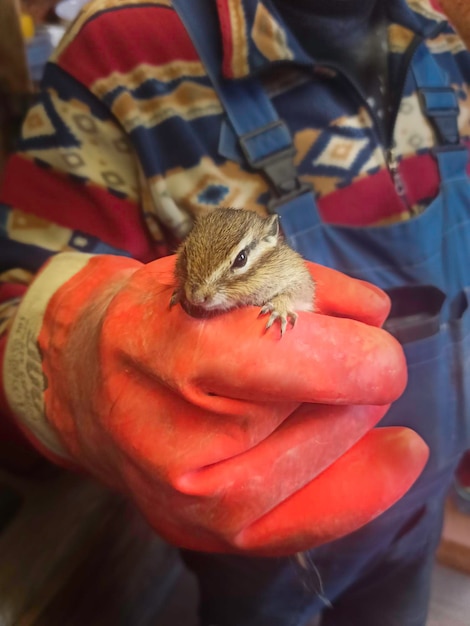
{"type": "Point", "coordinates": [241, 259]}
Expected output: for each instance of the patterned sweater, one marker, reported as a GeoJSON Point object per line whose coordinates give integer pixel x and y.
{"type": "Point", "coordinates": [121, 149]}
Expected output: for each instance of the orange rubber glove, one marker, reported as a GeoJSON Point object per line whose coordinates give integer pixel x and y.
{"type": "Point", "coordinates": [227, 437]}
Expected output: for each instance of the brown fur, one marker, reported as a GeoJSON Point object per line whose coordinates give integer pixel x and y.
{"type": "Point", "coordinates": [279, 280]}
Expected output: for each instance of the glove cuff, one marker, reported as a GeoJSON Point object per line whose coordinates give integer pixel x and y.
{"type": "Point", "coordinates": [23, 377]}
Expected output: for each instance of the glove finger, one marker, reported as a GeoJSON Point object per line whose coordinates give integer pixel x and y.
{"type": "Point", "coordinates": [257, 480]}
{"type": "Point", "coordinates": [342, 296]}
{"type": "Point", "coordinates": [180, 437]}
{"type": "Point", "coordinates": [220, 499]}
{"type": "Point", "coordinates": [302, 447]}
{"type": "Point", "coordinates": [322, 360]}
{"type": "Point", "coordinates": [361, 485]}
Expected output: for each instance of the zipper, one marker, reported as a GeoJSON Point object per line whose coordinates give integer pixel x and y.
{"type": "Point", "coordinates": [388, 147]}
{"type": "Point", "coordinates": [386, 139]}
{"type": "Point", "coordinates": [391, 159]}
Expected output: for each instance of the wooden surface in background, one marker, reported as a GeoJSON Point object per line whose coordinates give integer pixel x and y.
{"type": "Point", "coordinates": [450, 599]}
{"type": "Point", "coordinates": [14, 76]}
{"type": "Point", "coordinates": [454, 550]}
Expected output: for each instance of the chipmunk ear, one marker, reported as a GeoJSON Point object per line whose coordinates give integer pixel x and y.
{"type": "Point", "coordinates": [272, 229]}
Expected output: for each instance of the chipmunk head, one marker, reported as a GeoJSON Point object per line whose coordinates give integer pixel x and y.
{"type": "Point", "coordinates": [220, 255]}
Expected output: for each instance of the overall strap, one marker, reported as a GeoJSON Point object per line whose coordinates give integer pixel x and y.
{"type": "Point", "coordinates": [264, 139]}
{"type": "Point", "coordinates": [438, 98]}
{"type": "Point", "coordinates": [440, 104]}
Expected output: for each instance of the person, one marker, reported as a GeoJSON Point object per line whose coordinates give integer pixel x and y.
{"type": "Point", "coordinates": [350, 120]}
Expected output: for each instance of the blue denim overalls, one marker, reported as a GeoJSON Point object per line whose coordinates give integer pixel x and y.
{"type": "Point", "coordinates": [424, 265]}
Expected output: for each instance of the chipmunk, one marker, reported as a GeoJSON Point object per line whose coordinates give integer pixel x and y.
{"type": "Point", "coordinates": [233, 258]}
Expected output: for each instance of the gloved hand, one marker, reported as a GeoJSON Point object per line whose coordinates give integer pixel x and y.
{"type": "Point", "coordinates": [208, 425]}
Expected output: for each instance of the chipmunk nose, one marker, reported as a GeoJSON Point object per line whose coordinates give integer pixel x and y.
{"type": "Point", "coordinates": [198, 296]}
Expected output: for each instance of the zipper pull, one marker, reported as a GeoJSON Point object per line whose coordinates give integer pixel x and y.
{"type": "Point", "coordinates": [398, 183]}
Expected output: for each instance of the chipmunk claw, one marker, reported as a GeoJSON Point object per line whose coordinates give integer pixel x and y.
{"type": "Point", "coordinates": [175, 298]}
{"type": "Point", "coordinates": [283, 316]}
{"type": "Point", "coordinates": [267, 308]}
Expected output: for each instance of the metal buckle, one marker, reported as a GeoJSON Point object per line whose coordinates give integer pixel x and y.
{"type": "Point", "coordinates": [437, 110]}
{"type": "Point", "coordinates": [440, 105]}
{"type": "Point", "coordinates": [278, 167]}
{"type": "Point", "coordinates": [302, 189]}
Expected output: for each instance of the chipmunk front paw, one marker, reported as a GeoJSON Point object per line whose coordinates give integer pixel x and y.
{"type": "Point", "coordinates": [280, 309]}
